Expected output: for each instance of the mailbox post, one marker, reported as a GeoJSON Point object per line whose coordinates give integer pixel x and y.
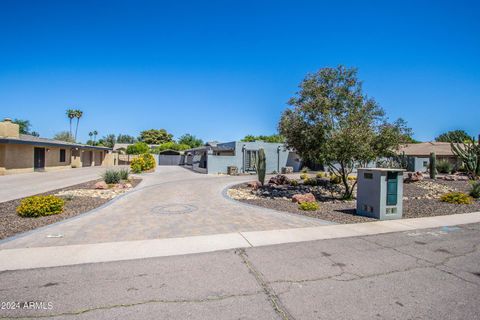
{"type": "Point", "coordinates": [380, 193]}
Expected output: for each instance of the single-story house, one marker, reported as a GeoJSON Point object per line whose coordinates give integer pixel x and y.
{"type": "Point", "coordinates": [217, 157]}
{"type": "Point", "coordinates": [21, 153]}
{"type": "Point", "coordinates": [418, 154]}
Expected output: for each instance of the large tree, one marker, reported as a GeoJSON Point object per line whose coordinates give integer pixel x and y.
{"type": "Point", "coordinates": [125, 138]}
{"type": "Point", "coordinates": [455, 136]}
{"type": "Point", "coordinates": [332, 121]}
{"type": "Point", "coordinates": [154, 136]}
{"type": "Point", "coordinates": [25, 126]}
{"type": "Point", "coordinates": [64, 136]}
{"type": "Point", "coordinates": [190, 140]}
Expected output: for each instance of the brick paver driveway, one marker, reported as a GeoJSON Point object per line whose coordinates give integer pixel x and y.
{"type": "Point", "coordinates": [172, 202]}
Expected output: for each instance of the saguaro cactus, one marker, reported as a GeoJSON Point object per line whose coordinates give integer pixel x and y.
{"type": "Point", "coordinates": [433, 166]}
{"type": "Point", "coordinates": [261, 166]}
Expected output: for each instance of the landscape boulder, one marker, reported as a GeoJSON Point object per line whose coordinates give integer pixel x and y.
{"type": "Point", "coordinates": [254, 185]}
{"type": "Point", "coordinates": [300, 198]}
{"type": "Point", "coordinates": [414, 177]}
{"type": "Point", "coordinates": [101, 185]}
{"type": "Point", "coordinates": [279, 180]}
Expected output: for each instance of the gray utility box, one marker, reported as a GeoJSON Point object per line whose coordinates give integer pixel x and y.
{"type": "Point", "coordinates": [380, 193]}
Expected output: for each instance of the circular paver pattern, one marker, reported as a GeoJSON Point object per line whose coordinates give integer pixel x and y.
{"type": "Point", "coordinates": [174, 208]}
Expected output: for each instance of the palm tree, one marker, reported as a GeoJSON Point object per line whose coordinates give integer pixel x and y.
{"type": "Point", "coordinates": [78, 115]}
{"type": "Point", "coordinates": [95, 132]}
{"type": "Point", "coordinates": [91, 134]}
{"type": "Point", "coordinates": [71, 114]}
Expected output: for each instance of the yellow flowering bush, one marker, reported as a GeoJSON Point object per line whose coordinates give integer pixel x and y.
{"type": "Point", "coordinates": [142, 163]}
{"type": "Point", "coordinates": [38, 206]}
{"type": "Point", "coordinates": [457, 198]}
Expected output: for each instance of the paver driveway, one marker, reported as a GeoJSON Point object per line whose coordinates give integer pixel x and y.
{"type": "Point", "coordinates": [27, 184]}
{"type": "Point", "coordinates": [172, 202]}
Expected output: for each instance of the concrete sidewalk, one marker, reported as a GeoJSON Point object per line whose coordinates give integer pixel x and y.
{"type": "Point", "coordinates": [22, 185]}
{"type": "Point", "coordinates": [14, 259]}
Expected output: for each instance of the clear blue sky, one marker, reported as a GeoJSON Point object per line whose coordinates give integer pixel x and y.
{"type": "Point", "coordinates": [224, 69]}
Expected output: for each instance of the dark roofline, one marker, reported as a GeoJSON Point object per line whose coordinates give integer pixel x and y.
{"type": "Point", "coordinates": [53, 143]}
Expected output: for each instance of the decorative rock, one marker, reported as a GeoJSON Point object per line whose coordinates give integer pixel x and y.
{"type": "Point", "coordinates": [414, 177]}
{"type": "Point", "coordinates": [300, 198]}
{"type": "Point", "coordinates": [254, 185]}
{"type": "Point", "coordinates": [101, 185]}
{"type": "Point", "coordinates": [279, 179]}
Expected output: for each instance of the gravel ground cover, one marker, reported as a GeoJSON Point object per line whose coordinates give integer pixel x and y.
{"type": "Point", "coordinates": [421, 199]}
{"type": "Point", "coordinates": [11, 223]}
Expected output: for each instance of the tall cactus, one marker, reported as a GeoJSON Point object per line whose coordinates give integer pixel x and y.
{"type": "Point", "coordinates": [261, 166]}
{"type": "Point", "coordinates": [433, 166]}
{"type": "Point", "coordinates": [469, 153]}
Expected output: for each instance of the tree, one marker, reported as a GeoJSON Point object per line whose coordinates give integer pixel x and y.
{"type": "Point", "coordinates": [78, 115]}
{"type": "Point", "coordinates": [95, 133]}
{"type": "Point", "coordinates": [274, 138]}
{"type": "Point", "coordinates": [64, 136]}
{"type": "Point", "coordinates": [71, 114]}
{"type": "Point", "coordinates": [138, 148]}
{"type": "Point", "coordinates": [125, 138]}
{"type": "Point", "coordinates": [154, 136]}
{"type": "Point", "coordinates": [190, 140]}
{"type": "Point", "coordinates": [25, 126]}
{"type": "Point", "coordinates": [90, 142]}
{"type": "Point", "coordinates": [455, 136]}
{"type": "Point", "coordinates": [108, 141]}
{"type": "Point", "coordinates": [331, 121]}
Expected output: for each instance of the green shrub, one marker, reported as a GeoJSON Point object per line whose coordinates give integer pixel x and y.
{"type": "Point", "coordinates": [124, 173]}
{"type": "Point", "coordinates": [138, 148]}
{"type": "Point", "coordinates": [111, 176]}
{"type": "Point", "coordinates": [475, 191]}
{"type": "Point", "coordinates": [310, 182]}
{"type": "Point", "coordinates": [305, 169]}
{"type": "Point", "coordinates": [303, 176]}
{"type": "Point", "coordinates": [293, 182]}
{"type": "Point", "coordinates": [457, 198]}
{"type": "Point", "coordinates": [37, 206]}
{"type": "Point", "coordinates": [322, 175]}
{"type": "Point", "coordinates": [308, 206]}
{"type": "Point", "coordinates": [335, 179]}
{"type": "Point", "coordinates": [443, 166]}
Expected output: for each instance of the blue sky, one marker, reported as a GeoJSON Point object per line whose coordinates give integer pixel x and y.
{"type": "Point", "coordinates": [224, 69]}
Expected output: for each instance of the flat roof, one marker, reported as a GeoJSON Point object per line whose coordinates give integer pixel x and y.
{"type": "Point", "coordinates": [32, 140]}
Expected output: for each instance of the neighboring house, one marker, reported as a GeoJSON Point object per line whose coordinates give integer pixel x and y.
{"type": "Point", "coordinates": [25, 153]}
{"type": "Point", "coordinates": [418, 154]}
{"type": "Point", "coordinates": [217, 157]}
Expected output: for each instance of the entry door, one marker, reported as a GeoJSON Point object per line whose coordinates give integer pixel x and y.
{"type": "Point", "coordinates": [39, 158]}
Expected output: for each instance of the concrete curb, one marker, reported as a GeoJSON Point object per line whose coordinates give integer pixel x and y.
{"type": "Point", "coordinates": [29, 258]}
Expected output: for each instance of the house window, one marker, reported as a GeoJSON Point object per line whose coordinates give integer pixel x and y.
{"type": "Point", "coordinates": [251, 160]}
{"type": "Point", "coordinates": [425, 163]}
{"type": "Point", "coordinates": [368, 175]}
{"type": "Point", "coordinates": [62, 155]}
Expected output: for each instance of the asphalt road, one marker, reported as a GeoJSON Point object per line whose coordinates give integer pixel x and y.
{"type": "Point", "coordinates": [424, 274]}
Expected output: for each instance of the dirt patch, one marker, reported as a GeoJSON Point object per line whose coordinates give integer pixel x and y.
{"type": "Point", "coordinates": [421, 199]}
{"type": "Point", "coordinates": [11, 223]}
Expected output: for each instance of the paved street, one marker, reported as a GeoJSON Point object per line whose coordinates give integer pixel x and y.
{"type": "Point", "coordinates": [26, 184]}
{"type": "Point", "coordinates": [422, 274]}
{"type": "Point", "coordinates": [172, 202]}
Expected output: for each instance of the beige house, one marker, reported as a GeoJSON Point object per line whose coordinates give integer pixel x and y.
{"type": "Point", "coordinates": [21, 153]}
{"type": "Point", "coordinates": [418, 154]}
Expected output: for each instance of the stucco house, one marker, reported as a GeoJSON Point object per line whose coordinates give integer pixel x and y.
{"type": "Point", "coordinates": [20, 153]}
{"type": "Point", "coordinates": [418, 154]}
{"type": "Point", "coordinates": [217, 157]}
